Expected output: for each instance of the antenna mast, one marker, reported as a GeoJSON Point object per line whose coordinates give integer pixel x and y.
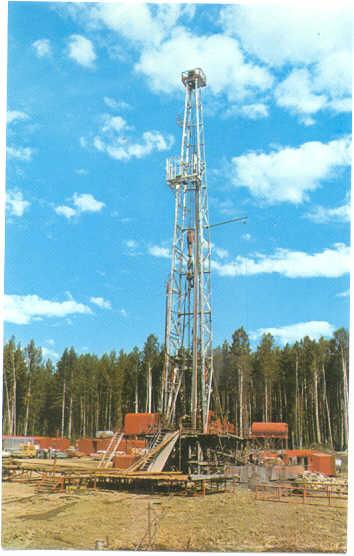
{"type": "Point", "coordinates": [188, 366]}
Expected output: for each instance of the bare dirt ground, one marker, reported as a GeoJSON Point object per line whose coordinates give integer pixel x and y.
{"type": "Point", "coordinates": [217, 522]}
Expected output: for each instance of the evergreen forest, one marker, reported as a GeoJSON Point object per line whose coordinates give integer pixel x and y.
{"type": "Point", "coordinates": [304, 384]}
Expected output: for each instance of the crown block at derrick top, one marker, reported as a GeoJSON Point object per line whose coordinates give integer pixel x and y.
{"type": "Point", "coordinates": [194, 78]}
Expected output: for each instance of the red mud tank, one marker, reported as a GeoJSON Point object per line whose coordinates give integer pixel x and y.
{"type": "Point", "coordinates": [269, 430]}
{"type": "Point", "coordinates": [123, 461]}
{"type": "Point", "coordinates": [141, 423]}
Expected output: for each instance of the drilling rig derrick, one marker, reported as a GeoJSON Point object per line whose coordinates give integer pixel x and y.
{"type": "Point", "coordinates": [188, 365]}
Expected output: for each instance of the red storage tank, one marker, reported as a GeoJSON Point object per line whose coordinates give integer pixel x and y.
{"type": "Point", "coordinates": [130, 445]}
{"type": "Point", "coordinates": [297, 457]}
{"type": "Point", "coordinates": [323, 463]}
{"type": "Point", "coordinates": [57, 443]}
{"type": "Point", "coordinates": [313, 461]}
{"type": "Point", "coordinates": [86, 445]}
{"type": "Point", "coordinates": [269, 430]}
{"type": "Point", "coordinates": [135, 445]}
{"type": "Point", "coordinates": [44, 442]}
{"type": "Point", "coordinates": [92, 445]}
{"type": "Point", "coordinates": [124, 461]}
{"type": "Point", "coordinates": [141, 423]}
{"type": "Point", "coordinates": [102, 443]}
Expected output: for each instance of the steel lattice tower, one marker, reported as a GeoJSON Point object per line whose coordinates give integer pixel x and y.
{"type": "Point", "coordinates": [188, 367]}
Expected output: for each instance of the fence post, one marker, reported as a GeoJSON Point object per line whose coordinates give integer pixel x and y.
{"type": "Point", "coordinates": [149, 525]}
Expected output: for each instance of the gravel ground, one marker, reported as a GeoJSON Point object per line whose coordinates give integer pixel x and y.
{"type": "Point", "coordinates": [218, 522]}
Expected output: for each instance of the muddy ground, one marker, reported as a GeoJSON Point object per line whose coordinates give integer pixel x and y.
{"type": "Point", "coordinates": [217, 522]}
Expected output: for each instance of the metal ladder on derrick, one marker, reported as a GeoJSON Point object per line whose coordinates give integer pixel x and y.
{"type": "Point", "coordinates": [111, 450]}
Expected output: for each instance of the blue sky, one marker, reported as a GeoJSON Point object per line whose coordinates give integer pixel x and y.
{"type": "Point", "coordinates": [93, 94]}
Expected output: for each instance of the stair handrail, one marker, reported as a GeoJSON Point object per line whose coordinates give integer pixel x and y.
{"type": "Point", "coordinates": [115, 448]}
{"type": "Point", "coordinates": [100, 463]}
{"type": "Point", "coordinates": [109, 453]}
{"type": "Point", "coordinates": [153, 441]}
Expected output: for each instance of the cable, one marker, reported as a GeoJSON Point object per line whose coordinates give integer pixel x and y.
{"type": "Point", "coordinates": [238, 219]}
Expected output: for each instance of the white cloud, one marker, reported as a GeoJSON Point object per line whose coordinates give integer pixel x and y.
{"type": "Point", "coordinates": [131, 243]}
{"type": "Point", "coordinates": [254, 111]}
{"type": "Point", "coordinates": [220, 252]}
{"type": "Point", "coordinates": [50, 342]}
{"type": "Point", "coordinates": [307, 120]}
{"type": "Point", "coordinates": [288, 34]}
{"type": "Point", "coordinates": [100, 302]}
{"type": "Point", "coordinates": [20, 153]}
{"type": "Point", "coordinates": [81, 50]}
{"type": "Point", "coordinates": [246, 237]}
{"type": "Point", "coordinates": [329, 263]}
{"type": "Point", "coordinates": [293, 332]}
{"type": "Point", "coordinates": [87, 203]}
{"type": "Point", "coordinates": [346, 293]}
{"type": "Point", "coordinates": [115, 104]}
{"type": "Point", "coordinates": [114, 123]}
{"type": "Point", "coordinates": [157, 34]}
{"type": "Point", "coordinates": [133, 22]}
{"type": "Point", "coordinates": [334, 76]}
{"type": "Point", "coordinates": [341, 104]}
{"type": "Point", "coordinates": [15, 203]}
{"type": "Point", "coordinates": [123, 313]}
{"type": "Point", "coordinates": [99, 144]}
{"type": "Point", "coordinates": [141, 24]}
{"type": "Point", "coordinates": [305, 94]}
{"type": "Point", "coordinates": [316, 40]}
{"type": "Point", "coordinates": [223, 206]}
{"type": "Point", "coordinates": [122, 148]}
{"type": "Point", "coordinates": [288, 174]}
{"type": "Point", "coordinates": [49, 353]}
{"type": "Point", "coordinates": [66, 211]}
{"type": "Point", "coordinates": [218, 55]}
{"type": "Point", "coordinates": [323, 215]}
{"type": "Point", "coordinates": [151, 140]}
{"type": "Point", "coordinates": [22, 309]}
{"type": "Point", "coordinates": [296, 93]}
{"type": "Point", "coordinates": [115, 139]}
{"type": "Point", "coordinates": [42, 47]}
{"type": "Point", "coordinates": [81, 171]}
{"type": "Point", "coordinates": [158, 251]}
{"type": "Point", "coordinates": [132, 247]}
{"type": "Point", "coordinates": [13, 115]}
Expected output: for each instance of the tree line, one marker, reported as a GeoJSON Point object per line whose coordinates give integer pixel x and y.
{"type": "Point", "coordinates": [304, 384]}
